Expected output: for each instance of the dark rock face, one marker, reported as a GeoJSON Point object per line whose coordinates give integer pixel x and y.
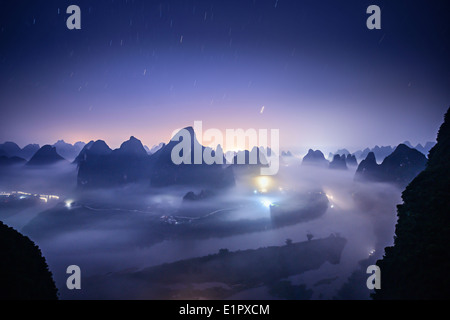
{"type": "Point", "coordinates": [339, 162]}
{"type": "Point", "coordinates": [417, 266]}
{"type": "Point", "coordinates": [24, 273]}
{"type": "Point", "coordinates": [46, 155]}
{"type": "Point", "coordinates": [400, 167]}
{"type": "Point", "coordinates": [315, 157]}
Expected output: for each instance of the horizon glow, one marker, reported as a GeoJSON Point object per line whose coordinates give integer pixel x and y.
{"type": "Point", "coordinates": [143, 69]}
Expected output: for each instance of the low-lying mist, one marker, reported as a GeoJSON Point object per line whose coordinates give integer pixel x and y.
{"type": "Point", "coordinates": [108, 232]}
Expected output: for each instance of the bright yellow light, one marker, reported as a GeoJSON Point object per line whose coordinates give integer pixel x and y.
{"type": "Point", "coordinates": [263, 183]}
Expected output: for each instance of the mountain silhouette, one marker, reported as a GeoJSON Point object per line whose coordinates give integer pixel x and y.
{"type": "Point", "coordinates": [362, 154]}
{"type": "Point", "coordinates": [379, 152]}
{"type": "Point", "coordinates": [343, 152]}
{"type": "Point", "coordinates": [425, 149]}
{"type": "Point", "coordinates": [400, 167]}
{"type": "Point", "coordinates": [156, 148]}
{"type": "Point", "coordinates": [255, 157]}
{"type": "Point", "coordinates": [164, 172]}
{"type": "Point", "coordinates": [382, 152]}
{"type": "Point", "coordinates": [403, 165]}
{"type": "Point", "coordinates": [368, 168]}
{"type": "Point", "coordinates": [68, 151]}
{"type": "Point", "coordinates": [93, 149]}
{"type": "Point", "coordinates": [99, 166]}
{"type": "Point", "coordinates": [46, 155]}
{"type": "Point", "coordinates": [408, 144]}
{"type": "Point", "coordinates": [417, 266]}
{"type": "Point", "coordinates": [29, 150]}
{"type": "Point", "coordinates": [11, 149]}
{"type": "Point", "coordinates": [132, 147]}
{"type": "Point", "coordinates": [351, 160]}
{"type": "Point", "coordinates": [315, 157]}
{"type": "Point", "coordinates": [339, 162]}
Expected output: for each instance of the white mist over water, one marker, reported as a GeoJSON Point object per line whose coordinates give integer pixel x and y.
{"type": "Point", "coordinates": [363, 213]}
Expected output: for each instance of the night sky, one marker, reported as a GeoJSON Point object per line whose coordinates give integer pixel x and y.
{"type": "Point", "coordinates": [146, 68]}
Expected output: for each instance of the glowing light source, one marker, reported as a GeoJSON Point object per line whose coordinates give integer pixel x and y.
{"type": "Point", "coordinates": [263, 183]}
{"type": "Point", "coordinates": [68, 203]}
{"type": "Point", "coordinates": [266, 203]}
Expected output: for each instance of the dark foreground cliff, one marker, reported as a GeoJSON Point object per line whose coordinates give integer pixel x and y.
{"type": "Point", "coordinates": [24, 274]}
{"type": "Point", "coordinates": [417, 266]}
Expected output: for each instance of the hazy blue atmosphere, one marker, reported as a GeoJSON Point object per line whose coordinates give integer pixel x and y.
{"type": "Point", "coordinates": [87, 168]}
{"type": "Point", "coordinates": [146, 68]}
